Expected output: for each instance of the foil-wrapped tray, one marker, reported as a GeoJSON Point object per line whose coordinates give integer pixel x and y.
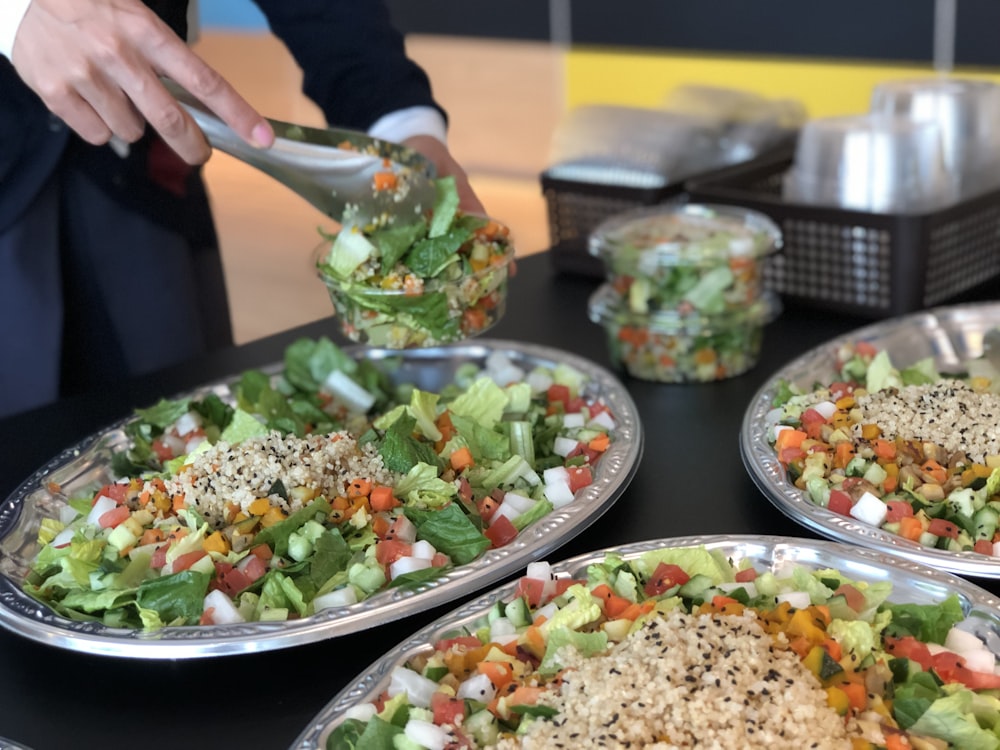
{"type": "Point", "coordinates": [911, 582]}
{"type": "Point", "coordinates": [88, 465]}
{"type": "Point", "coordinates": [952, 336]}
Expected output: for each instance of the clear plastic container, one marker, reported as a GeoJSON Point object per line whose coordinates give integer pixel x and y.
{"type": "Point", "coordinates": [396, 308]}
{"type": "Point", "coordinates": [689, 259]}
{"type": "Point", "coordinates": [669, 347]}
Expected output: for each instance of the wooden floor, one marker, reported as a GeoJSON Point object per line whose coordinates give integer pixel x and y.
{"type": "Point", "coordinates": [503, 99]}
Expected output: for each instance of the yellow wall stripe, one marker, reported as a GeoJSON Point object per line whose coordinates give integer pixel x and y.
{"type": "Point", "coordinates": [645, 79]}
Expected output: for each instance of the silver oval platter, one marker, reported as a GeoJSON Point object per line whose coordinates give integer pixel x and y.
{"type": "Point", "coordinates": [912, 583]}
{"type": "Point", "coordinates": [952, 336]}
{"type": "Point", "coordinates": [89, 465]}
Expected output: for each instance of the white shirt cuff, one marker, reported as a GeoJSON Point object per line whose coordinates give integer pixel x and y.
{"type": "Point", "coordinates": [404, 123]}
{"type": "Point", "coordinates": [11, 14]}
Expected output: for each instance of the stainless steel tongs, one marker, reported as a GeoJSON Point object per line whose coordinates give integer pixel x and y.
{"type": "Point", "coordinates": [348, 175]}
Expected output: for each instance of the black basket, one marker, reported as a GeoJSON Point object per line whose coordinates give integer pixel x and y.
{"type": "Point", "coordinates": [575, 208]}
{"type": "Point", "coordinates": [873, 265]}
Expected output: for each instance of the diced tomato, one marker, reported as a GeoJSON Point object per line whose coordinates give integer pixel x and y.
{"type": "Point", "coordinates": [898, 509]}
{"type": "Point", "coordinates": [746, 575]}
{"type": "Point", "coordinates": [946, 664]}
{"type": "Point", "coordinates": [440, 559]}
{"type": "Point", "coordinates": [113, 517]}
{"type": "Point", "coordinates": [983, 547]}
{"type": "Point", "coordinates": [840, 502]}
{"type": "Point", "coordinates": [159, 557]}
{"type": "Point", "coordinates": [839, 389]}
{"type": "Point", "coordinates": [253, 567]}
{"type": "Point", "coordinates": [941, 527]}
{"type": "Point", "coordinates": [564, 583]}
{"type": "Point", "coordinates": [575, 405]}
{"type": "Point", "coordinates": [469, 641]}
{"type": "Point", "coordinates": [579, 476]}
{"type": "Point", "coordinates": [558, 394]}
{"type": "Point", "coordinates": [185, 561]}
{"type": "Point", "coordinates": [532, 589]}
{"type": "Point", "coordinates": [665, 577]}
{"type": "Point", "coordinates": [977, 680]}
{"type": "Point", "coordinates": [909, 647]}
{"type": "Point", "coordinates": [446, 709]}
{"type": "Point", "coordinates": [234, 581]}
{"type": "Point", "coordinates": [263, 551]}
{"type": "Point", "coordinates": [163, 451]}
{"type": "Point", "coordinates": [865, 349]}
{"type": "Point", "coordinates": [465, 489]}
{"type": "Point", "coordinates": [388, 551]}
{"type": "Point", "coordinates": [788, 455]}
{"type": "Point", "coordinates": [500, 532]}
{"type": "Point", "coordinates": [116, 492]}
{"type": "Point", "coordinates": [855, 599]}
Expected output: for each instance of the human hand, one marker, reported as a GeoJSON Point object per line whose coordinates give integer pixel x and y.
{"type": "Point", "coordinates": [438, 154]}
{"type": "Point", "coordinates": [97, 64]}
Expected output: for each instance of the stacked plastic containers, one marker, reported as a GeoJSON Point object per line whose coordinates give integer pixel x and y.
{"type": "Point", "coordinates": [684, 300]}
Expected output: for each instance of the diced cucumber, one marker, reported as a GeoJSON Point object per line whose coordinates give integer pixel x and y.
{"type": "Point", "coordinates": [928, 539]}
{"type": "Point", "coordinates": [518, 612]}
{"type": "Point", "coordinates": [483, 727]}
{"type": "Point", "coordinates": [875, 474]}
{"type": "Point", "coordinates": [856, 467]}
{"type": "Point", "coordinates": [985, 522]}
{"type": "Point", "coordinates": [696, 586]}
{"type": "Point", "coordinates": [496, 612]}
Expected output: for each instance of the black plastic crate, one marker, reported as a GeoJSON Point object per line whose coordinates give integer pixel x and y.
{"type": "Point", "coordinates": [874, 265]}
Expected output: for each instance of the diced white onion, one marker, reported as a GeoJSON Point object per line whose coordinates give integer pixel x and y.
{"type": "Point", "coordinates": [350, 393]}
{"type": "Point", "coordinates": [407, 565]}
{"type": "Point", "coordinates": [961, 641]}
{"type": "Point", "coordinates": [774, 416]}
{"type": "Point", "coordinates": [602, 421]}
{"type": "Point", "coordinates": [361, 711]}
{"type": "Point", "coordinates": [507, 375]}
{"type": "Point", "coordinates": [870, 509]}
{"type": "Point", "coordinates": [540, 570]}
{"type": "Point", "coordinates": [546, 611]}
{"type": "Point", "coordinates": [539, 380]}
{"type": "Point", "coordinates": [419, 689]}
{"type": "Point", "coordinates": [187, 423]}
{"type": "Point", "coordinates": [63, 538]}
{"type": "Point", "coordinates": [980, 660]}
{"type": "Point", "coordinates": [563, 446]}
{"type": "Point", "coordinates": [506, 510]}
{"type": "Point", "coordinates": [559, 493]}
{"type": "Point", "coordinates": [427, 734]}
{"type": "Point", "coordinates": [778, 429]}
{"type": "Point", "coordinates": [336, 598]}
{"type": "Point", "coordinates": [555, 474]}
{"type": "Point", "coordinates": [501, 626]}
{"type": "Point", "coordinates": [174, 443]}
{"type": "Point", "coordinates": [573, 420]}
{"type": "Point", "coordinates": [797, 599]}
{"type": "Point", "coordinates": [193, 443]}
{"type": "Point", "coordinates": [826, 409]}
{"type": "Point", "coordinates": [749, 586]}
{"type": "Point", "coordinates": [224, 612]}
{"type": "Point", "coordinates": [479, 687]}
{"type": "Point", "coordinates": [101, 506]}
{"type": "Point", "coordinates": [519, 502]}
{"type": "Point", "coordinates": [423, 549]}
{"type": "Point", "coordinates": [404, 530]}
{"type": "Point", "coordinates": [68, 514]}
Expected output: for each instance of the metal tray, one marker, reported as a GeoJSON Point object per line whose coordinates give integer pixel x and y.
{"type": "Point", "coordinates": [88, 464]}
{"type": "Point", "coordinates": [952, 336]}
{"type": "Point", "coordinates": [911, 582]}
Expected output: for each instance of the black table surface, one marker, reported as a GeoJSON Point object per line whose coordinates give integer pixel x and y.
{"type": "Point", "coordinates": [691, 481]}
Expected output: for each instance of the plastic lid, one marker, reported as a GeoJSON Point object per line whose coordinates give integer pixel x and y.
{"type": "Point", "coordinates": [691, 234]}
{"type": "Point", "coordinates": [607, 306]}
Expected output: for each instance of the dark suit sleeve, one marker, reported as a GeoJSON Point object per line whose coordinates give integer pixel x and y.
{"type": "Point", "coordinates": [353, 60]}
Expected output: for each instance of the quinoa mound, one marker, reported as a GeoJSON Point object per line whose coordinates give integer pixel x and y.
{"type": "Point", "coordinates": [710, 681]}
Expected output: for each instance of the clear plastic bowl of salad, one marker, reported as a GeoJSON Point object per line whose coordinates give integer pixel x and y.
{"type": "Point", "coordinates": [438, 279]}
{"type": "Point", "coordinates": [669, 347]}
{"type": "Point", "coordinates": [698, 259]}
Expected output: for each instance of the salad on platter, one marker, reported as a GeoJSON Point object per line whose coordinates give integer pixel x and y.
{"type": "Point", "coordinates": [686, 645]}
{"type": "Point", "coordinates": [437, 279]}
{"type": "Point", "coordinates": [316, 488]}
{"type": "Point", "coordinates": [905, 449]}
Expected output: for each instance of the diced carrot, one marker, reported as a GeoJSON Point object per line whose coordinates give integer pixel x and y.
{"type": "Point", "coordinates": [789, 439]}
{"type": "Point", "coordinates": [935, 470]}
{"type": "Point", "coordinates": [600, 442]}
{"type": "Point", "coordinates": [890, 483]}
{"type": "Point", "coordinates": [534, 641]}
{"type": "Point", "coordinates": [263, 551]}
{"type": "Point", "coordinates": [910, 527]}
{"type": "Point", "coordinates": [178, 503]}
{"type": "Point", "coordinates": [499, 672]}
{"type": "Point", "coordinates": [340, 503]}
{"type": "Point", "coordinates": [524, 695]}
{"type": "Point", "coordinates": [884, 448]}
{"type": "Point", "coordinates": [615, 606]}
{"type": "Point", "coordinates": [360, 487]}
{"type": "Point", "coordinates": [461, 458]}
{"type": "Point", "coordinates": [380, 525]}
{"type": "Point", "coordinates": [842, 454]}
{"type": "Point", "coordinates": [384, 181]}
{"type": "Point", "coordinates": [635, 611]}
{"type": "Point", "coordinates": [896, 742]}
{"type": "Point", "coordinates": [382, 499]}
{"type": "Point", "coordinates": [834, 649]}
{"type": "Point", "coordinates": [857, 695]}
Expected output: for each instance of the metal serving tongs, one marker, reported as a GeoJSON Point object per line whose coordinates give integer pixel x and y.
{"type": "Point", "coordinates": [348, 175]}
